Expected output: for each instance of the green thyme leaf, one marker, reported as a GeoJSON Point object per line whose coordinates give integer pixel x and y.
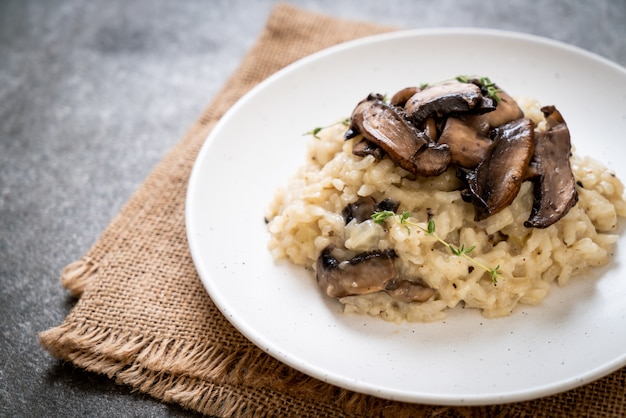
{"type": "Point", "coordinates": [494, 273]}
{"type": "Point", "coordinates": [430, 230]}
{"type": "Point", "coordinates": [486, 85]}
{"type": "Point", "coordinates": [315, 131]}
{"type": "Point", "coordinates": [380, 216]}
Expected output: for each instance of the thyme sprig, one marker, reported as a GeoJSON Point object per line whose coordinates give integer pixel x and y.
{"type": "Point", "coordinates": [316, 130]}
{"type": "Point", "coordinates": [485, 83]}
{"type": "Point", "coordinates": [380, 217]}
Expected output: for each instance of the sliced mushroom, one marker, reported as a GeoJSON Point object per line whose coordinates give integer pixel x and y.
{"type": "Point", "coordinates": [467, 146]}
{"type": "Point", "coordinates": [408, 291]}
{"type": "Point", "coordinates": [364, 207]}
{"type": "Point", "coordinates": [555, 187]}
{"type": "Point", "coordinates": [365, 273]}
{"type": "Point", "coordinates": [360, 210]}
{"type": "Point", "coordinates": [432, 160]}
{"type": "Point", "coordinates": [387, 204]}
{"type": "Point", "coordinates": [468, 134]}
{"type": "Point", "coordinates": [506, 111]}
{"type": "Point", "coordinates": [383, 126]}
{"type": "Point", "coordinates": [369, 272]}
{"type": "Point", "coordinates": [442, 99]}
{"type": "Point", "coordinates": [496, 181]}
{"type": "Point", "coordinates": [356, 120]}
{"type": "Point", "coordinates": [485, 105]}
{"type": "Point", "coordinates": [430, 128]}
{"type": "Point", "coordinates": [365, 147]}
{"type": "Point", "coordinates": [402, 96]}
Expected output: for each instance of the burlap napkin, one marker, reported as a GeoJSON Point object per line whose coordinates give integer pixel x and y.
{"type": "Point", "coordinates": [144, 319]}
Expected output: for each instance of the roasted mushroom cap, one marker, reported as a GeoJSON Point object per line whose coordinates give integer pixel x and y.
{"type": "Point", "coordinates": [402, 96]}
{"type": "Point", "coordinates": [507, 110]}
{"type": "Point", "coordinates": [369, 272]}
{"type": "Point", "coordinates": [442, 99]}
{"type": "Point", "coordinates": [432, 160]}
{"type": "Point", "coordinates": [356, 119]}
{"type": "Point", "coordinates": [467, 145]}
{"type": "Point", "coordinates": [555, 187]}
{"type": "Point", "coordinates": [365, 273]}
{"type": "Point", "coordinates": [468, 134]}
{"type": "Point", "coordinates": [385, 127]}
{"type": "Point", "coordinates": [496, 181]}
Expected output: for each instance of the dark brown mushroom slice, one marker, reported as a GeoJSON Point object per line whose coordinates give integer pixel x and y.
{"type": "Point", "coordinates": [364, 148]}
{"type": "Point", "coordinates": [364, 207]}
{"type": "Point", "coordinates": [432, 160]}
{"type": "Point", "coordinates": [368, 272]}
{"type": "Point", "coordinates": [468, 134]}
{"type": "Point", "coordinates": [442, 99]}
{"type": "Point", "coordinates": [430, 129]}
{"type": "Point", "coordinates": [383, 126]}
{"type": "Point", "coordinates": [356, 119]}
{"type": "Point", "coordinates": [555, 187]}
{"type": "Point", "coordinates": [402, 96]}
{"type": "Point", "coordinates": [361, 210]}
{"type": "Point", "coordinates": [496, 181]}
{"type": "Point", "coordinates": [467, 146]}
{"type": "Point", "coordinates": [408, 291]}
{"type": "Point", "coordinates": [388, 204]}
{"type": "Point", "coordinates": [532, 171]}
{"type": "Point", "coordinates": [507, 110]}
{"type": "Point", "coordinates": [485, 105]}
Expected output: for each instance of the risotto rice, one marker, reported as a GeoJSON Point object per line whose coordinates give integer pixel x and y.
{"type": "Point", "coordinates": [306, 216]}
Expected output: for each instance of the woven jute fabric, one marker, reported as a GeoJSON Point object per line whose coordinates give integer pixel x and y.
{"type": "Point", "coordinates": [144, 319]}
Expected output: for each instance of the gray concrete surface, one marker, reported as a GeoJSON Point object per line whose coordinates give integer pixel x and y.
{"type": "Point", "coordinates": [92, 95]}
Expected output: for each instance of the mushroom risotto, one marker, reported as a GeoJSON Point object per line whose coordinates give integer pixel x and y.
{"type": "Point", "coordinates": [445, 195]}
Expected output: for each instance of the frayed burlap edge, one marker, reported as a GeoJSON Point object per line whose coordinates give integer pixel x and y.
{"type": "Point", "coordinates": [250, 376]}
{"type": "Point", "coordinates": [242, 382]}
{"type": "Point", "coordinates": [77, 275]}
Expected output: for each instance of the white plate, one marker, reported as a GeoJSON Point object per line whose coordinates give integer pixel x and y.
{"type": "Point", "coordinates": [577, 335]}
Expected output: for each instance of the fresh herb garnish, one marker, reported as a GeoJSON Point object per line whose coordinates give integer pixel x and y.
{"type": "Point", "coordinates": [315, 131]}
{"type": "Point", "coordinates": [381, 216]}
{"type": "Point", "coordinates": [485, 84]}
